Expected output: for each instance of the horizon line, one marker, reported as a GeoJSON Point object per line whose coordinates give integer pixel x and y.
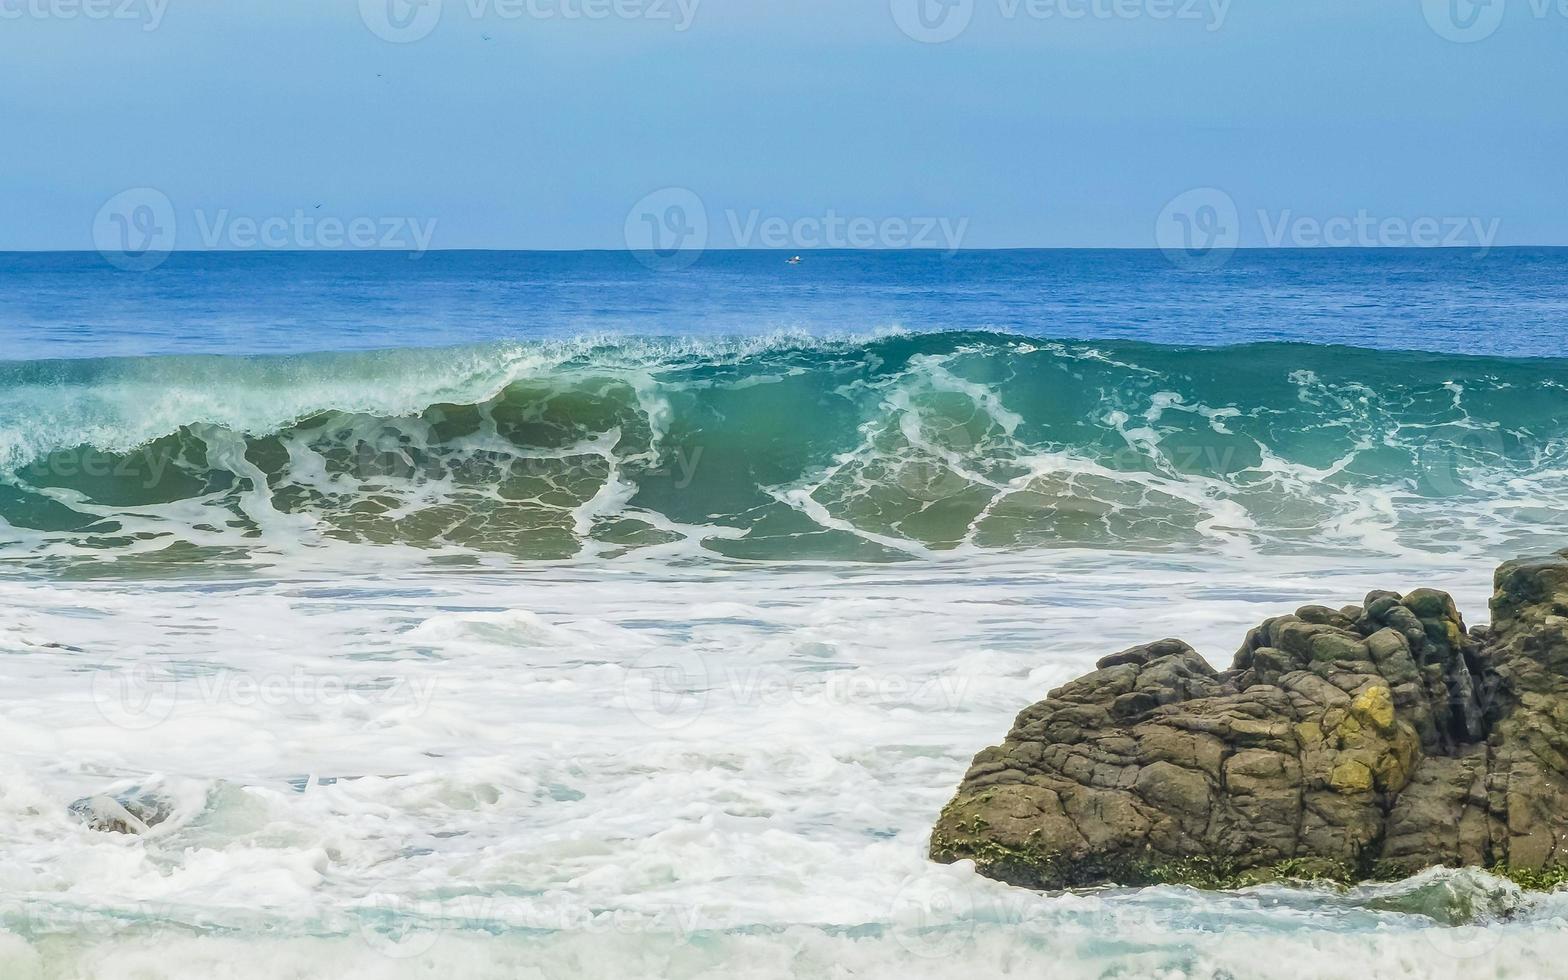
{"type": "Point", "coordinates": [803, 250]}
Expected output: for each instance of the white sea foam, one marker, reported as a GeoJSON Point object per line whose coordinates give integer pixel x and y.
{"type": "Point", "coordinates": [617, 770]}
{"type": "Point", "coordinates": [919, 446]}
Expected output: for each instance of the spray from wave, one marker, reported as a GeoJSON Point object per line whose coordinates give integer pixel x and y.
{"type": "Point", "coordinates": [896, 447]}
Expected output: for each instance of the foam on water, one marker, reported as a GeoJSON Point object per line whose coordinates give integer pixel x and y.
{"type": "Point", "coordinates": [660, 657]}
{"type": "Point", "coordinates": [919, 446]}
{"type": "Point", "coordinates": [629, 768]}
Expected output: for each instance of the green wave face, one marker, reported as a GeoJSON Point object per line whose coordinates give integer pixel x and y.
{"type": "Point", "coordinates": [895, 448]}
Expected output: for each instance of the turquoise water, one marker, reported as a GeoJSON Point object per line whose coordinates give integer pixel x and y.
{"type": "Point", "coordinates": [897, 447]}
{"type": "Point", "coordinates": [1499, 301]}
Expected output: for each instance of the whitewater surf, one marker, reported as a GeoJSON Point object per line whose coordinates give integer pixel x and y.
{"type": "Point", "coordinates": [887, 448]}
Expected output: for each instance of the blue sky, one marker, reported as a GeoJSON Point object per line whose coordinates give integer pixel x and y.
{"type": "Point", "coordinates": [513, 124]}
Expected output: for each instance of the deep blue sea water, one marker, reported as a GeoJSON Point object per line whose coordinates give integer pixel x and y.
{"type": "Point", "coordinates": [1511, 302]}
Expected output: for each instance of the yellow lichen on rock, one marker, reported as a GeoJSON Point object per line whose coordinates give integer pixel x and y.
{"type": "Point", "coordinates": [1351, 776]}
{"type": "Point", "coordinates": [1309, 734]}
{"type": "Point", "coordinates": [1375, 707]}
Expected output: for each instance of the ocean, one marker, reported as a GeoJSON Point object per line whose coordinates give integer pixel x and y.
{"type": "Point", "coordinates": [576, 614]}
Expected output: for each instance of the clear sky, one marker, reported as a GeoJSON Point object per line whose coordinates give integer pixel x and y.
{"type": "Point", "coordinates": [531, 124]}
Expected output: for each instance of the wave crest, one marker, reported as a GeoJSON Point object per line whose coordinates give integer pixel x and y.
{"type": "Point", "coordinates": [784, 448]}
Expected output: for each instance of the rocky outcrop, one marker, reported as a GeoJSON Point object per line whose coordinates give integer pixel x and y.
{"type": "Point", "coordinates": [1362, 742]}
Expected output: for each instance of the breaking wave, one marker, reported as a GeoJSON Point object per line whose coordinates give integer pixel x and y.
{"type": "Point", "coordinates": [892, 447]}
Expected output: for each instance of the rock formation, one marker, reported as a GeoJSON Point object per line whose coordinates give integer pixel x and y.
{"type": "Point", "coordinates": [1364, 742]}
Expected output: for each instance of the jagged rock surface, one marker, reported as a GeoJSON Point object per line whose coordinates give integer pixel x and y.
{"type": "Point", "coordinates": [1367, 741]}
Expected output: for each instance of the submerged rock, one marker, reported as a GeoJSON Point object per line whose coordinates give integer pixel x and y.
{"type": "Point", "coordinates": [1364, 742]}
{"type": "Point", "coordinates": [1453, 897]}
{"type": "Point", "coordinates": [134, 812]}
